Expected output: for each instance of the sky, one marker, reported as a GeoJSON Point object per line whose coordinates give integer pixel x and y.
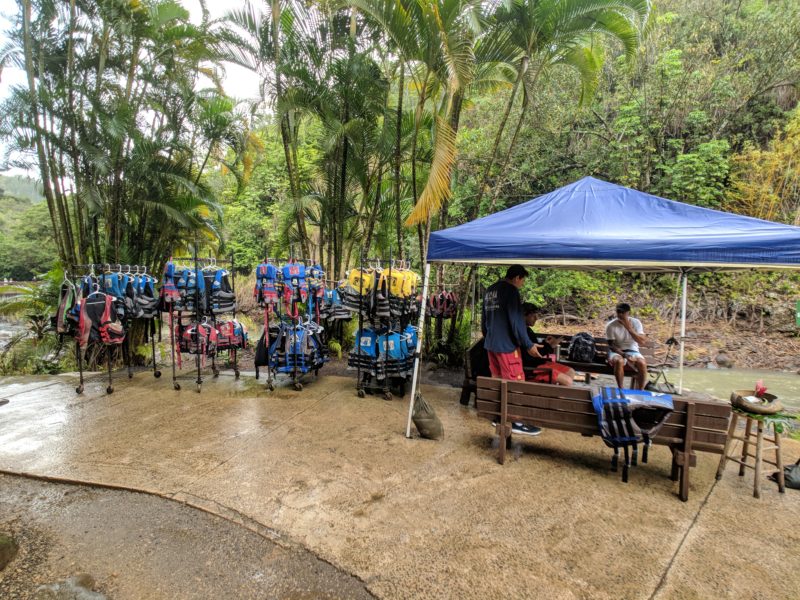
{"type": "Point", "coordinates": [238, 82]}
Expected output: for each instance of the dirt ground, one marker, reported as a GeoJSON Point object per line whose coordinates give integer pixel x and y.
{"type": "Point", "coordinates": [414, 518]}
{"type": "Point", "coordinates": [141, 546]}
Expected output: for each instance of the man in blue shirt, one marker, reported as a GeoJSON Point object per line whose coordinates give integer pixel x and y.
{"type": "Point", "coordinates": [505, 332]}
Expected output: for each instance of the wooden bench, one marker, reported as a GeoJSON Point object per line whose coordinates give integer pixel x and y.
{"type": "Point", "coordinates": [695, 426]}
{"type": "Point", "coordinates": [600, 364]}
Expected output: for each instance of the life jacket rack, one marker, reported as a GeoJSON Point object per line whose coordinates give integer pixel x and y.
{"type": "Point", "coordinates": [98, 303]}
{"type": "Point", "coordinates": [196, 294]}
{"type": "Point", "coordinates": [292, 297]}
{"type": "Point", "coordinates": [383, 295]}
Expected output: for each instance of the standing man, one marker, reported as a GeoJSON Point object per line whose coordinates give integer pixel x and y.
{"type": "Point", "coordinates": [505, 333]}
{"type": "Point", "coordinates": [624, 334]}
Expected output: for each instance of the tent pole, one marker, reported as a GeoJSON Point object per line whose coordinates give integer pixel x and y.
{"type": "Point", "coordinates": [421, 328]}
{"type": "Point", "coordinates": [684, 277]}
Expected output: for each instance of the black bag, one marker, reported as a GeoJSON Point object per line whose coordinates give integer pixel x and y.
{"type": "Point", "coordinates": [262, 353]}
{"type": "Point", "coordinates": [791, 476]}
{"type": "Point", "coordinates": [582, 348]}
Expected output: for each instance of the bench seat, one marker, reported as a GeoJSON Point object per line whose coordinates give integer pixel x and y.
{"type": "Point", "coordinates": [695, 425]}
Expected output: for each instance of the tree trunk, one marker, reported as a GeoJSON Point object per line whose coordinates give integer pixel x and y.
{"type": "Point", "coordinates": [397, 152]}
{"type": "Point", "coordinates": [43, 167]}
{"type": "Point", "coordinates": [497, 187]}
{"type": "Point", "coordinates": [285, 127]}
{"type": "Point", "coordinates": [500, 129]}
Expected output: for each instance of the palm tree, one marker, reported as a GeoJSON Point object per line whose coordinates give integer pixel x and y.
{"type": "Point", "coordinates": [116, 131]}
{"type": "Point", "coordinates": [549, 33]}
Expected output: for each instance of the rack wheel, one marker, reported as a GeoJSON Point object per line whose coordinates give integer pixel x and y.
{"type": "Point", "coordinates": [387, 395]}
{"type": "Point", "coordinates": [362, 394]}
{"type": "Point", "coordinates": [177, 386]}
{"type": "Point", "coordinates": [270, 387]}
{"type": "Point", "coordinates": [110, 389]}
{"type": "Point", "coordinates": [236, 373]}
{"type": "Point", "coordinates": [156, 374]}
{"type": "Point", "coordinates": [130, 375]}
{"type": "Point", "coordinates": [298, 386]}
{"type": "Point", "coordinates": [199, 388]}
{"type": "Point", "coordinates": [79, 389]}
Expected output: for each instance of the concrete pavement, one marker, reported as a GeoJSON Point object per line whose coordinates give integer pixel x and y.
{"type": "Point", "coordinates": [414, 518]}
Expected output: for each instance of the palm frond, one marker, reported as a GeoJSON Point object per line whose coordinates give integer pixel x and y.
{"type": "Point", "coordinates": [437, 188]}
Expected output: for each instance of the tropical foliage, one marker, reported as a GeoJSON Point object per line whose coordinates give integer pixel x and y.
{"type": "Point", "coordinates": [378, 121]}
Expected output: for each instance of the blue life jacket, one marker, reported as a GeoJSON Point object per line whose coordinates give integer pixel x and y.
{"type": "Point", "coordinates": [294, 281]}
{"type": "Point", "coordinates": [629, 417]}
{"type": "Point", "coordinates": [265, 291]}
{"type": "Point", "coordinates": [366, 342]}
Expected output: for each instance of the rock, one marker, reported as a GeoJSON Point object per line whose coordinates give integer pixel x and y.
{"type": "Point", "coordinates": [8, 549]}
{"type": "Point", "coordinates": [78, 587]}
{"type": "Point", "coordinates": [723, 361]}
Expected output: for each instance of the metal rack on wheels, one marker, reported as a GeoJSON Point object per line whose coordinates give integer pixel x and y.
{"type": "Point", "coordinates": [298, 346]}
{"type": "Point", "coordinates": [380, 378]}
{"type": "Point", "coordinates": [123, 303]}
{"type": "Point", "coordinates": [201, 314]}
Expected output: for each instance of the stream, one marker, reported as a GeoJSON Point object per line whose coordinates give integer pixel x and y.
{"type": "Point", "coordinates": [721, 382]}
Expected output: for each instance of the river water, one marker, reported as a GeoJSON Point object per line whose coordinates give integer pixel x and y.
{"type": "Point", "coordinates": [721, 382]}
{"type": "Point", "coordinates": [9, 329]}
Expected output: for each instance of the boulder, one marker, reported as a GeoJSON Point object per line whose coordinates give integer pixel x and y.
{"type": "Point", "coordinates": [723, 361]}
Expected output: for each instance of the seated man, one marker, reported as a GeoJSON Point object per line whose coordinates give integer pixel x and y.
{"type": "Point", "coordinates": [562, 375]}
{"type": "Point", "coordinates": [624, 334]}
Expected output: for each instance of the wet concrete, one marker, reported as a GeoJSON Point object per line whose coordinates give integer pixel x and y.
{"type": "Point", "coordinates": [142, 546]}
{"type": "Point", "coordinates": [414, 518]}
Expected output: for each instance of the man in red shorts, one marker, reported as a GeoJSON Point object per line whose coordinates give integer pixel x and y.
{"type": "Point", "coordinates": [505, 334]}
{"type": "Point", "coordinates": [562, 374]}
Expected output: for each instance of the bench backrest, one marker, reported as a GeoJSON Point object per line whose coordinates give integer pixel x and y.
{"type": "Point", "coordinates": [570, 409]}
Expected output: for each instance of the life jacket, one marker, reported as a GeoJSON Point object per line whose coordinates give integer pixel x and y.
{"type": "Point", "coordinates": [192, 286]}
{"type": "Point", "coordinates": [398, 283]}
{"type": "Point", "coordinates": [367, 342]}
{"type": "Point", "coordinates": [630, 417]}
{"type": "Point", "coordinates": [295, 284]}
{"type": "Point", "coordinates": [265, 291]}
{"type": "Point", "coordinates": [223, 299]}
{"type": "Point", "coordinates": [110, 329]}
{"type": "Point", "coordinates": [196, 338]}
{"type": "Point", "coordinates": [582, 348]}
{"type": "Point", "coordinates": [129, 287]}
{"type": "Point", "coordinates": [146, 298]}
{"type": "Point", "coordinates": [112, 284]}
{"type": "Point", "coordinates": [97, 309]}
{"type": "Point", "coordinates": [360, 282]}
{"type": "Point", "coordinates": [169, 289]}
{"type": "Point", "coordinates": [316, 282]}
{"type": "Point", "coordinates": [381, 297]}
{"type": "Point", "coordinates": [231, 335]}
{"type": "Point", "coordinates": [66, 299]}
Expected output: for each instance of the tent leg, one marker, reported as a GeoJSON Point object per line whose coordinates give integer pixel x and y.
{"type": "Point", "coordinates": [683, 330]}
{"type": "Point", "coordinates": [420, 326]}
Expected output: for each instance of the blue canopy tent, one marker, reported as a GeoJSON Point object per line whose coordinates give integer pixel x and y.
{"type": "Point", "coordinates": [596, 225]}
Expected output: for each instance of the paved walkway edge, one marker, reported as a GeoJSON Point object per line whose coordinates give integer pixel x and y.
{"type": "Point", "coordinates": [207, 506]}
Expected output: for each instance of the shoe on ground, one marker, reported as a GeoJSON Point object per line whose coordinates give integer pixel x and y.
{"type": "Point", "coordinates": [525, 429]}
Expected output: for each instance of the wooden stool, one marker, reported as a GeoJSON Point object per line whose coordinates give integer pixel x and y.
{"type": "Point", "coordinates": [747, 440]}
